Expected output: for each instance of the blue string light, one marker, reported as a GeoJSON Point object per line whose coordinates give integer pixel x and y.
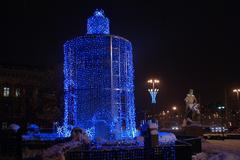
{"type": "Point", "coordinates": [98, 82]}
{"type": "Point", "coordinates": [153, 93]}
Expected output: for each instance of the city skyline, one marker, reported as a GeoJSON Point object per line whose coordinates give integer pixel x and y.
{"type": "Point", "coordinates": [184, 44]}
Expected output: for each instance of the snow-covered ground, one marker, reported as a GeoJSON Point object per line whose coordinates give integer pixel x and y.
{"type": "Point", "coordinates": [219, 150]}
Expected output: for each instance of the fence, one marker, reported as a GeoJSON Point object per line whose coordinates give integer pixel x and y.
{"type": "Point", "coordinates": [166, 152]}
{"type": "Point", "coordinates": [180, 151]}
{"type": "Point", "coordinates": [11, 146]}
{"type": "Point", "coordinates": [196, 143]}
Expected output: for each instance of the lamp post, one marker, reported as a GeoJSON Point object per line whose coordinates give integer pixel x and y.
{"type": "Point", "coordinates": [174, 114]}
{"type": "Point", "coordinates": [174, 108]}
{"type": "Point", "coordinates": [237, 91]}
{"type": "Point", "coordinates": [153, 91]}
{"type": "Point", "coordinates": [221, 108]}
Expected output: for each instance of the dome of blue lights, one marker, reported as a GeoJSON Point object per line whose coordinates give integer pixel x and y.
{"type": "Point", "coordinates": [98, 23]}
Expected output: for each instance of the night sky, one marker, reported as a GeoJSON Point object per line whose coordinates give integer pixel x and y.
{"type": "Point", "coordinates": [186, 44]}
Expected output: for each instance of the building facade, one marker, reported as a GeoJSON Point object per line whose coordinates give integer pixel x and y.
{"type": "Point", "coordinates": [232, 106]}
{"type": "Point", "coordinates": [29, 95]}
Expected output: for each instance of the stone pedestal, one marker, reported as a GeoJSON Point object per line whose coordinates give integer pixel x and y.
{"type": "Point", "coordinates": [194, 130]}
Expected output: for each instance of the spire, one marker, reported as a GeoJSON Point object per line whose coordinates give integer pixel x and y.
{"type": "Point", "coordinates": [98, 23]}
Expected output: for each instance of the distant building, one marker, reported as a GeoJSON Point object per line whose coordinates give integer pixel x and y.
{"type": "Point", "coordinates": [30, 95]}
{"type": "Point", "coordinates": [211, 115]}
{"type": "Point", "coordinates": [232, 107]}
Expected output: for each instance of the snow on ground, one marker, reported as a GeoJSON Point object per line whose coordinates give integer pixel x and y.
{"type": "Point", "coordinates": [219, 150]}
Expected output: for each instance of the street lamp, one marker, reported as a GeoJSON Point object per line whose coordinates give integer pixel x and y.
{"type": "Point", "coordinates": [237, 91]}
{"type": "Point", "coordinates": [153, 90]}
{"type": "Point", "coordinates": [174, 108]}
{"type": "Point", "coordinates": [221, 108]}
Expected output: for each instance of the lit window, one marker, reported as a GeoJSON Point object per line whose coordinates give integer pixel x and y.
{"type": "Point", "coordinates": [17, 92]}
{"type": "Point", "coordinates": [6, 91]}
{"type": "Point", "coordinates": [4, 125]}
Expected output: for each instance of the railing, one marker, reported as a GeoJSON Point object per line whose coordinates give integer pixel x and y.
{"type": "Point", "coordinates": [183, 150]}
{"type": "Point", "coordinates": [12, 145]}
{"type": "Point", "coordinates": [196, 143]}
{"type": "Point", "coordinates": [157, 153]}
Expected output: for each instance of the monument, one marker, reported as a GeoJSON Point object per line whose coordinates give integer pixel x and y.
{"type": "Point", "coordinates": [192, 112]}
{"type": "Point", "coordinates": [191, 123]}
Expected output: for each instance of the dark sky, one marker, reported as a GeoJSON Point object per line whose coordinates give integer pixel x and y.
{"type": "Point", "coordinates": [186, 44]}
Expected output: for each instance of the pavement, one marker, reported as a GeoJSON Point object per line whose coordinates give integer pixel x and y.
{"type": "Point", "coordinates": [219, 150]}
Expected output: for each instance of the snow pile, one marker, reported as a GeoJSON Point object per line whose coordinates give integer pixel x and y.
{"type": "Point", "coordinates": [33, 128]}
{"type": "Point", "coordinates": [200, 156]}
{"type": "Point", "coordinates": [222, 150]}
{"type": "Point", "coordinates": [153, 128]}
{"type": "Point", "coordinates": [166, 138]}
{"type": "Point", "coordinates": [225, 156]}
{"type": "Point", "coordinates": [56, 152]}
{"type": "Point", "coordinates": [14, 127]}
{"type": "Point", "coordinates": [78, 139]}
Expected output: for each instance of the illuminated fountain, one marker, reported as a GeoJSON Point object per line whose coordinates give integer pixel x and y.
{"type": "Point", "coordinates": [98, 84]}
